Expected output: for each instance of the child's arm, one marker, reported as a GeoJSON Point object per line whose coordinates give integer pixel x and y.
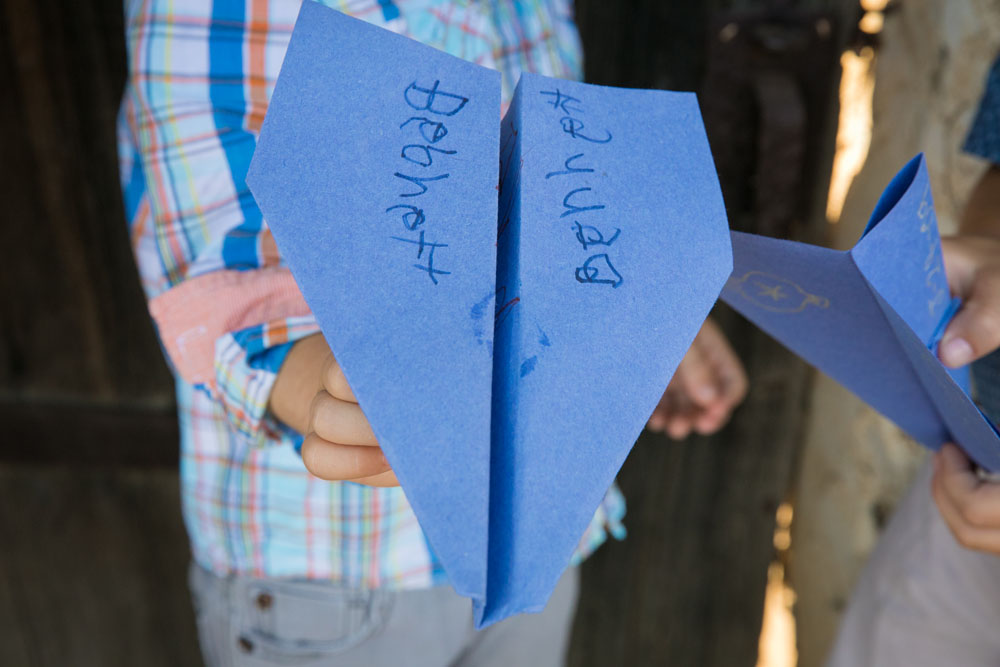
{"type": "Point", "coordinates": [226, 311]}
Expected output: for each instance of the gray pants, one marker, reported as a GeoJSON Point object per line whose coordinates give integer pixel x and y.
{"type": "Point", "coordinates": [922, 600]}
{"type": "Point", "coordinates": [246, 622]}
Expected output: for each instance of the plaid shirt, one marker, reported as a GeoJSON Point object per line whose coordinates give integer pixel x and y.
{"type": "Point", "coordinates": [201, 74]}
{"type": "Point", "coordinates": [983, 141]}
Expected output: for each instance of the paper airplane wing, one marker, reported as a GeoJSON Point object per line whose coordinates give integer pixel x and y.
{"type": "Point", "coordinates": [376, 171]}
{"type": "Point", "coordinates": [613, 247]}
{"type": "Point", "coordinates": [815, 301]}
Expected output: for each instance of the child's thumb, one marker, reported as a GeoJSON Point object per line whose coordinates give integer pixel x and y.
{"type": "Point", "coordinates": [975, 330]}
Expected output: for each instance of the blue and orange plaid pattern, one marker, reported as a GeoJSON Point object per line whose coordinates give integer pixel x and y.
{"type": "Point", "coordinates": [201, 74]}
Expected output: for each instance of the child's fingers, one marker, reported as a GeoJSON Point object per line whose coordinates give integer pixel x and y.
{"type": "Point", "coordinates": [340, 421]}
{"type": "Point", "coordinates": [730, 376]}
{"type": "Point", "coordinates": [959, 263]}
{"type": "Point", "coordinates": [975, 329]}
{"type": "Point", "coordinates": [977, 502]}
{"type": "Point", "coordinates": [733, 380]}
{"type": "Point", "coordinates": [680, 419]}
{"type": "Point", "coordinates": [973, 275]}
{"type": "Point", "coordinates": [711, 420]}
{"type": "Point", "coordinates": [679, 428]}
{"type": "Point", "coordinates": [720, 363]}
{"type": "Point", "coordinates": [695, 377]}
{"type": "Point", "coordinates": [381, 480]}
{"type": "Point", "coordinates": [658, 420]}
{"type": "Point", "coordinates": [968, 535]}
{"type": "Point", "coordinates": [330, 461]}
{"type": "Point", "coordinates": [955, 470]}
{"type": "Point", "coordinates": [335, 383]}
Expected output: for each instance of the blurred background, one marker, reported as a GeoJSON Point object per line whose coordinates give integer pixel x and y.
{"type": "Point", "coordinates": [742, 547]}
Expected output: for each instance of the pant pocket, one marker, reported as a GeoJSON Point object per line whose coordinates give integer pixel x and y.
{"type": "Point", "coordinates": [301, 621]}
{"type": "Point", "coordinates": [210, 603]}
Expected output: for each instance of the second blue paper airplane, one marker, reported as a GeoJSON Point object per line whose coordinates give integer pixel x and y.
{"type": "Point", "coordinates": [871, 317]}
{"type": "Point", "coordinates": [507, 300]}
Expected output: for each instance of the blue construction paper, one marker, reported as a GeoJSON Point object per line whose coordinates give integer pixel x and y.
{"type": "Point", "coordinates": [508, 380]}
{"type": "Point", "coordinates": [376, 171]}
{"type": "Point", "coordinates": [871, 317]}
{"type": "Point", "coordinates": [613, 246]}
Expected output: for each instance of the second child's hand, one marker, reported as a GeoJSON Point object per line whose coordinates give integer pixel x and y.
{"type": "Point", "coordinates": [973, 267]}
{"type": "Point", "coordinates": [708, 385]}
{"type": "Point", "coordinates": [969, 504]}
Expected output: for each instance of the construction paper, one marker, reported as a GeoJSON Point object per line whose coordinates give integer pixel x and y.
{"type": "Point", "coordinates": [508, 331]}
{"type": "Point", "coordinates": [871, 317]}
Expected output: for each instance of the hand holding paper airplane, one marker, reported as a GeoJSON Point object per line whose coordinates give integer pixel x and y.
{"type": "Point", "coordinates": [312, 396]}
{"type": "Point", "coordinates": [973, 268]}
{"type": "Point", "coordinates": [708, 384]}
{"type": "Point", "coordinates": [872, 317]}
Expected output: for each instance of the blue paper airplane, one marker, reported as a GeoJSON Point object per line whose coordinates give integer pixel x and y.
{"type": "Point", "coordinates": [871, 317]}
{"type": "Point", "coordinates": [593, 268]}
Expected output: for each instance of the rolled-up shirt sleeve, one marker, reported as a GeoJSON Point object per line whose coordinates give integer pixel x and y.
{"type": "Point", "coordinates": [228, 332]}
{"type": "Point", "coordinates": [226, 308]}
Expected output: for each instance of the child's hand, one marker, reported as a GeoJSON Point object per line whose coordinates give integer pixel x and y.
{"type": "Point", "coordinates": [340, 443]}
{"type": "Point", "coordinates": [708, 385]}
{"type": "Point", "coordinates": [970, 506]}
{"type": "Point", "coordinates": [973, 268]}
{"type": "Point", "coordinates": [312, 396]}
